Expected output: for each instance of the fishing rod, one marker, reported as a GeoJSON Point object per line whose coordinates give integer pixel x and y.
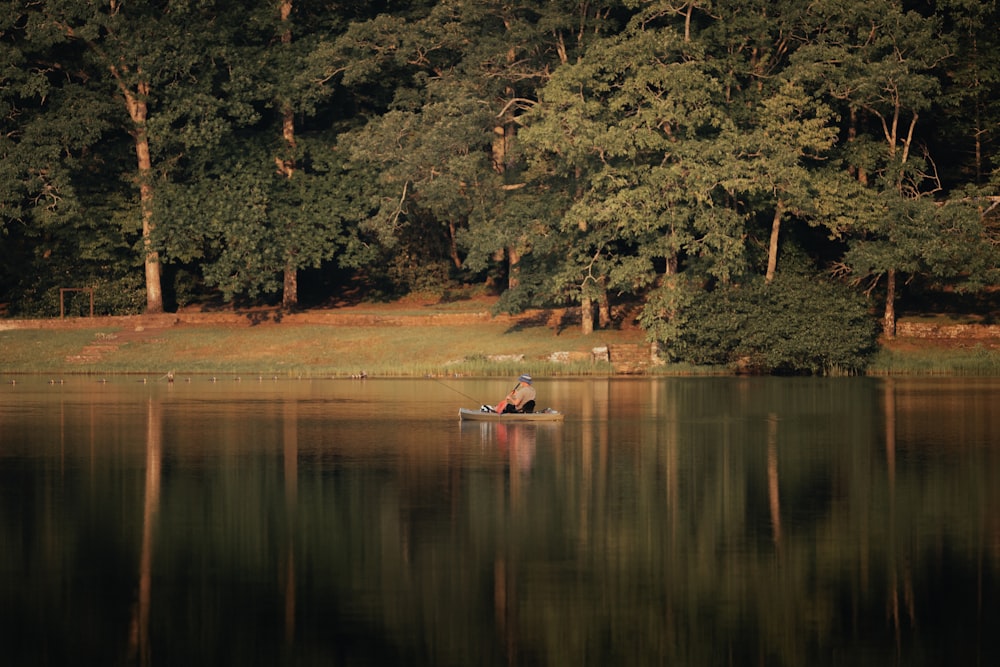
{"type": "Point", "coordinates": [455, 390]}
{"type": "Point", "coordinates": [463, 394]}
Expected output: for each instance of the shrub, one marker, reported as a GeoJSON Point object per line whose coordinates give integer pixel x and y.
{"type": "Point", "coordinates": [113, 295]}
{"type": "Point", "coordinates": [797, 324]}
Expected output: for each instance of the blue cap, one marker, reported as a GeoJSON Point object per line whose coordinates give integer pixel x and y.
{"type": "Point", "coordinates": [525, 378]}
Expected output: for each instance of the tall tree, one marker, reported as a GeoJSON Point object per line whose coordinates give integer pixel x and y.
{"type": "Point", "coordinates": [286, 165]}
{"type": "Point", "coordinates": [580, 150]}
{"type": "Point", "coordinates": [61, 195]}
{"type": "Point", "coordinates": [533, 32]}
{"type": "Point", "coordinates": [255, 211]}
{"type": "Point", "coordinates": [967, 134]}
{"type": "Point", "coordinates": [29, 185]}
{"type": "Point", "coordinates": [786, 167]}
{"type": "Point", "coordinates": [943, 245]}
{"type": "Point", "coordinates": [465, 72]}
{"type": "Point", "coordinates": [881, 64]}
{"type": "Point", "coordinates": [161, 61]}
{"type": "Point", "coordinates": [635, 133]}
{"type": "Point", "coordinates": [297, 82]}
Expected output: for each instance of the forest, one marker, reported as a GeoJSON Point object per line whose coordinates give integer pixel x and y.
{"type": "Point", "coordinates": [766, 180]}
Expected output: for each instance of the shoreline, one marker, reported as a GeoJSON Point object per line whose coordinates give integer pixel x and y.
{"type": "Point", "coordinates": [410, 339]}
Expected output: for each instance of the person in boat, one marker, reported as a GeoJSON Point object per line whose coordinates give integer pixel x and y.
{"type": "Point", "coordinates": [521, 398]}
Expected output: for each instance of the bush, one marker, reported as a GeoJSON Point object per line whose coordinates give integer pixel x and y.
{"type": "Point", "coordinates": [797, 324]}
{"type": "Point", "coordinates": [113, 295]}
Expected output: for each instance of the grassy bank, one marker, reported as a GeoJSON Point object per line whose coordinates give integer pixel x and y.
{"type": "Point", "coordinates": [306, 351]}
{"type": "Point", "coordinates": [478, 347]}
{"type": "Point", "coordinates": [976, 359]}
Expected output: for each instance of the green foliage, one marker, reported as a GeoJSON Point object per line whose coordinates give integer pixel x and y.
{"type": "Point", "coordinates": [617, 149]}
{"type": "Point", "coordinates": [187, 287]}
{"type": "Point", "coordinates": [628, 139]}
{"type": "Point", "coordinates": [121, 294]}
{"type": "Point", "coordinates": [417, 261]}
{"type": "Point", "coordinates": [796, 324]}
{"type": "Point", "coordinates": [243, 223]}
{"type": "Point", "coordinates": [946, 243]}
{"type": "Point", "coordinates": [667, 312]}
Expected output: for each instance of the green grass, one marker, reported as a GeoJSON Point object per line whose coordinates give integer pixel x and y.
{"type": "Point", "coordinates": [389, 351]}
{"type": "Point", "coordinates": [303, 350]}
{"type": "Point", "coordinates": [37, 351]}
{"type": "Point", "coordinates": [976, 360]}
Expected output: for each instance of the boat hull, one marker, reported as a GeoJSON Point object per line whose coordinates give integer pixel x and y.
{"type": "Point", "coordinates": [546, 415]}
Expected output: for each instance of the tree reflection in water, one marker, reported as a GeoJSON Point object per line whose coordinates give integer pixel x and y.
{"type": "Point", "coordinates": [139, 642]}
{"type": "Point", "coordinates": [694, 521]}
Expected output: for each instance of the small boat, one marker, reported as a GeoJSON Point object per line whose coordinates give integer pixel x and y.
{"type": "Point", "coordinates": [546, 415]}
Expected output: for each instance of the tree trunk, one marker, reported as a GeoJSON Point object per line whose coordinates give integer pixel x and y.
{"type": "Point", "coordinates": [493, 282]}
{"type": "Point", "coordinates": [889, 318]}
{"type": "Point", "coordinates": [513, 275]}
{"type": "Point", "coordinates": [154, 288]}
{"type": "Point", "coordinates": [503, 138]}
{"type": "Point", "coordinates": [603, 308]}
{"type": "Point", "coordinates": [138, 111]}
{"type": "Point", "coordinates": [772, 248]}
{"type": "Point", "coordinates": [290, 286]}
{"type": "Point", "coordinates": [587, 315]}
{"type": "Point", "coordinates": [852, 134]}
{"type": "Point", "coordinates": [453, 246]}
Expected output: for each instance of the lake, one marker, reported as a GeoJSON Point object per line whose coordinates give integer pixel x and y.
{"type": "Point", "coordinates": [681, 521]}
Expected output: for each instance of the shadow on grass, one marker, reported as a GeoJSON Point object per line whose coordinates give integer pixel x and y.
{"type": "Point", "coordinates": [453, 296]}
{"type": "Point", "coordinates": [559, 320]}
{"type": "Point", "coordinates": [264, 316]}
{"type": "Point", "coordinates": [556, 319]}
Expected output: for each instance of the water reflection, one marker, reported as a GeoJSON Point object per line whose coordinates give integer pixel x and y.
{"type": "Point", "coordinates": [290, 462]}
{"type": "Point", "coordinates": [694, 521]}
{"type": "Point", "coordinates": [139, 647]}
{"type": "Point", "coordinates": [513, 448]}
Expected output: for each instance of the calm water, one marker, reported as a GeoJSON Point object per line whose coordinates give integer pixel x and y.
{"type": "Point", "coordinates": [346, 522]}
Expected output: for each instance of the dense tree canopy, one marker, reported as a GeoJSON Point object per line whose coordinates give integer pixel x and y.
{"type": "Point", "coordinates": [648, 153]}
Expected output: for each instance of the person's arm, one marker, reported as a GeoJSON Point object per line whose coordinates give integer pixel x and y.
{"type": "Point", "coordinates": [515, 397]}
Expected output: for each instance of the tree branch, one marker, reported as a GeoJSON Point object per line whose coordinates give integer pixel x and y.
{"type": "Point", "coordinates": [523, 101]}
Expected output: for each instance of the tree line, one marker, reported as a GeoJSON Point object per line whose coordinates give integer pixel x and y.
{"type": "Point", "coordinates": [740, 171]}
